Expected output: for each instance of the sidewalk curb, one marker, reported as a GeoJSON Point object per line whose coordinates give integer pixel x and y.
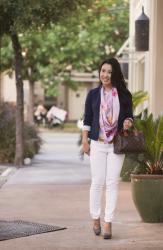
{"type": "Point", "coordinates": [6, 174]}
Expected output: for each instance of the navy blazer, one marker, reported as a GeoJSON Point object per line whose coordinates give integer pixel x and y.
{"type": "Point", "coordinates": [92, 111]}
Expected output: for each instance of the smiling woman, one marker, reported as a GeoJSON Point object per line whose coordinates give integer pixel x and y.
{"type": "Point", "coordinates": [108, 109]}
{"type": "Point", "coordinates": [105, 76]}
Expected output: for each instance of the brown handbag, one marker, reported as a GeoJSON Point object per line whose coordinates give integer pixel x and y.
{"type": "Point", "coordinates": [129, 142]}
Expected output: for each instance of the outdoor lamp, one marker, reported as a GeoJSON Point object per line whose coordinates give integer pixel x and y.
{"type": "Point", "coordinates": [142, 32]}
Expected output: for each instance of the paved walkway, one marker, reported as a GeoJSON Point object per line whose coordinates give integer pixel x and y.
{"type": "Point", "coordinates": [55, 190]}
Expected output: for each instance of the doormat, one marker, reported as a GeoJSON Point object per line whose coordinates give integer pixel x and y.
{"type": "Point", "coordinates": [19, 228]}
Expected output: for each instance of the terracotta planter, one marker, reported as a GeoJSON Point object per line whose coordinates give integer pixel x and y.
{"type": "Point", "coordinates": [147, 193]}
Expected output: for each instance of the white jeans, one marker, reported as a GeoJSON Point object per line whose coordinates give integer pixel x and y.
{"type": "Point", "coordinates": [105, 170]}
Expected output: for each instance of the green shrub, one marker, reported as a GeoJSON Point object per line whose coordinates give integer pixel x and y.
{"type": "Point", "coordinates": [128, 167]}
{"type": "Point", "coordinates": [32, 140]}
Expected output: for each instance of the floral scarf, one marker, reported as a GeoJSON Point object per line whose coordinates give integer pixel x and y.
{"type": "Point", "coordinates": [109, 113]}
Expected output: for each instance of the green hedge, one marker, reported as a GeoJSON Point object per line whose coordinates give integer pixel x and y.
{"type": "Point", "coordinates": [128, 167]}
{"type": "Point", "coordinates": [7, 136]}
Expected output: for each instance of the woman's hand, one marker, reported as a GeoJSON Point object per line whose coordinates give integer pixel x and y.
{"type": "Point", "coordinates": [86, 147]}
{"type": "Point", "coordinates": [85, 143]}
{"type": "Point", "coordinates": [127, 124]}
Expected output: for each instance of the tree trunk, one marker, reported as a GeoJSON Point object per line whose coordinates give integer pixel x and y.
{"type": "Point", "coordinates": [19, 152]}
{"type": "Point", "coordinates": [31, 102]}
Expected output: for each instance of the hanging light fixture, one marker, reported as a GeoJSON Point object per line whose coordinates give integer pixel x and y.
{"type": "Point", "coordinates": [142, 32]}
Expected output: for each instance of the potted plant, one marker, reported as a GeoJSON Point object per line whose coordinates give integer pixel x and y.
{"type": "Point", "coordinates": [138, 98]}
{"type": "Point", "coordinates": [147, 177]}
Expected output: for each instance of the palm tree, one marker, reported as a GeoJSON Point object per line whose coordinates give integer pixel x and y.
{"type": "Point", "coordinates": [152, 160]}
{"type": "Point", "coordinates": [138, 98]}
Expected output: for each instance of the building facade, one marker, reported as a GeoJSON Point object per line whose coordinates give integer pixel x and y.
{"type": "Point", "coordinates": [70, 100]}
{"type": "Point", "coordinates": [146, 68]}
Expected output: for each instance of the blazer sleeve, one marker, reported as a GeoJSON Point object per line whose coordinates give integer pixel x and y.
{"type": "Point", "coordinates": [129, 108]}
{"type": "Point", "coordinates": [88, 113]}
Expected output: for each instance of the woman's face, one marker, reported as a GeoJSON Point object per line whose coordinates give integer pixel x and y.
{"type": "Point", "coordinates": [105, 75]}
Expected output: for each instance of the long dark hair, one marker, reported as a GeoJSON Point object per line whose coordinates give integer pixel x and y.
{"type": "Point", "coordinates": [117, 78]}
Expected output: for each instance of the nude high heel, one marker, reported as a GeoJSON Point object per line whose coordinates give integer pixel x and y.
{"type": "Point", "coordinates": [96, 226]}
{"type": "Point", "coordinates": [107, 230]}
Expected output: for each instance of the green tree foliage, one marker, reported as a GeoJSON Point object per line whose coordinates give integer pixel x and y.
{"type": "Point", "coordinates": [102, 32]}
{"type": "Point", "coordinates": [19, 15]}
{"type": "Point", "coordinates": [79, 45]}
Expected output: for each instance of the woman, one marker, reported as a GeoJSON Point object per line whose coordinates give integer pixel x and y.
{"type": "Point", "coordinates": [108, 109]}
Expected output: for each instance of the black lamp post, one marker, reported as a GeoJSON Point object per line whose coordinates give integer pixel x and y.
{"type": "Point", "coordinates": [142, 32]}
